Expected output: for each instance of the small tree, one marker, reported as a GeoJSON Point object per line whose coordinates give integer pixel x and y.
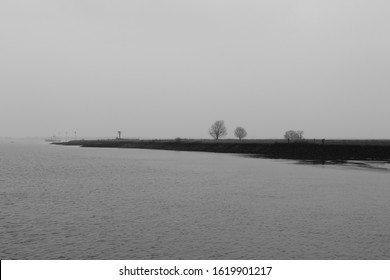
{"type": "Point", "coordinates": [240, 132]}
{"type": "Point", "coordinates": [218, 130]}
{"type": "Point", "coordinates": [294, 135]}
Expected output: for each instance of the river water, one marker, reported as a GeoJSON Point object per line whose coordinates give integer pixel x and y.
{"type": "Point", "coordinates": [60, 202]}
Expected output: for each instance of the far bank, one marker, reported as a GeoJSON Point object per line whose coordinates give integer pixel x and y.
{"type": "Point", "coordinates": [317, 151]}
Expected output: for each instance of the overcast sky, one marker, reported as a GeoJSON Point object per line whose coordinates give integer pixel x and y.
{"type": "Point", "coordinates": [171, 68]}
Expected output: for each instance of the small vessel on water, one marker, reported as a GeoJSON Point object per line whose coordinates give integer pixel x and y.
{"type": "Point", "coordinates": [53, 139]}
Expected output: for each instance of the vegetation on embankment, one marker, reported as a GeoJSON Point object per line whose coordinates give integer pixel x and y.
{"type": "Point", "coordinates": [332, 150]}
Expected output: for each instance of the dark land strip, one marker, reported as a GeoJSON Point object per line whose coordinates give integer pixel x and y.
{"type": "Point", "coordinates": [333, 151]}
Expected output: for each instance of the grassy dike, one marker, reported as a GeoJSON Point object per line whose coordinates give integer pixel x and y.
{"type": "Point", "coordinates": [331, 151]}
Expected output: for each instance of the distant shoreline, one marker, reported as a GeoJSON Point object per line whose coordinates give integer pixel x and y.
{"type": "Point", "coordinates": [308, 150]}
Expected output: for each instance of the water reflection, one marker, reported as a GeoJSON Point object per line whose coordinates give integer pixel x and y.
{"type": "Point", "coordinates": [355, 164]}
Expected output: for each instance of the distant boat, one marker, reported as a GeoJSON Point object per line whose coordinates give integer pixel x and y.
{"type": "Point", "coordinates": [53, 139]}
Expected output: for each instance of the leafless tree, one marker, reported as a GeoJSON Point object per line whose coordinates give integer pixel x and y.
{"type": "Point", "coordinates": [119, 134]}
{"type": "Point", "coordinates": [218, 130]}
{"type": "Point", "coordinates": [294, 135]}
{"type": "Point", "coordinates": [240, 132]}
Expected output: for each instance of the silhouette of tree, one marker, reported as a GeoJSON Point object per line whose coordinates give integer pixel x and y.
{"type": "Point", "coordinates": [218, 130]}
{"type": "Point", "coordinates": [294, 135]}
{"type": "Point", "coordinates": [240, 132]}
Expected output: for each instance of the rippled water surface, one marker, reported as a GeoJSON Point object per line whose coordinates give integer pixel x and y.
{"type": "Point", "coordinates": [61, 202]}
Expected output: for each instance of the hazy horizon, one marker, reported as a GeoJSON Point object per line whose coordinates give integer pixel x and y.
{"type": "Point", "coordinates": [109, 137]}
{"type": "Point", "coordinates": [166, 69]}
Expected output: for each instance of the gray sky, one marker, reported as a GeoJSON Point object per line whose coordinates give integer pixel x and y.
{"type": "Point", "coordinates": [171, 68]}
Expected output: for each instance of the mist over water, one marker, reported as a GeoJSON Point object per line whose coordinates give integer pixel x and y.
{"type": "Point", "coordinates": [84, 203]}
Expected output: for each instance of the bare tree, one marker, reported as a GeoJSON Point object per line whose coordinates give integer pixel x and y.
{"type": "Point", "coordinates": [119, 134]}
{"type": "Point", "coordinates": [218, 130]}
{"type": "Point", "coordinates": [240, 132]}
{"type": "Point", "coordinates": [294, 135]}
{"type": "Point", "coordinates": [300, 134]}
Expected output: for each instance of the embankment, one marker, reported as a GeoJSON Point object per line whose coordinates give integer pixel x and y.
{"type": "Point", "coordinates": [340, 150]}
